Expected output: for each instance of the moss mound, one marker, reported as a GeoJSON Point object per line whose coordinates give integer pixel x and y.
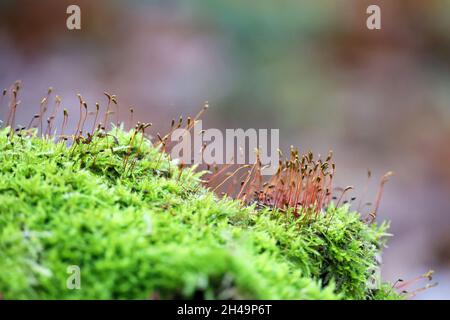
{"type": "Point", "coordinates": [139, 227]}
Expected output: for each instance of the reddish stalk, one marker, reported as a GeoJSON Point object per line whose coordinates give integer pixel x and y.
{"type": "Point", "coordinates": [97, 109]}
{"type": "Point", "coordinates": [372, 215]}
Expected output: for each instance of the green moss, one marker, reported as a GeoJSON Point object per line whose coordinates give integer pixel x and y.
{"type": "Point", "coordinates": [152, 230]}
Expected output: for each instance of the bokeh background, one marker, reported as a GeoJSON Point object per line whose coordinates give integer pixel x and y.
{"type": "Point", "coordinates": [379, 99]}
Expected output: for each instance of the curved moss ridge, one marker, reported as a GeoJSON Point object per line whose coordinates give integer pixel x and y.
{"type": "Point", "coordinates": [153, 231]}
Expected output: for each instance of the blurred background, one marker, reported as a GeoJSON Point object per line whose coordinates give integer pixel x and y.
{"type": "Point", "coordinates": [379, 99]}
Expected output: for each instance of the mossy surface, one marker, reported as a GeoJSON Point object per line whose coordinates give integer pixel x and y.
{"type": "Point", "coordinates": [142, 228]}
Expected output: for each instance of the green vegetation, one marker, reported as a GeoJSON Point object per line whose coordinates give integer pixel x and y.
{"type": "Point", "coordinates": [140, 227]}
